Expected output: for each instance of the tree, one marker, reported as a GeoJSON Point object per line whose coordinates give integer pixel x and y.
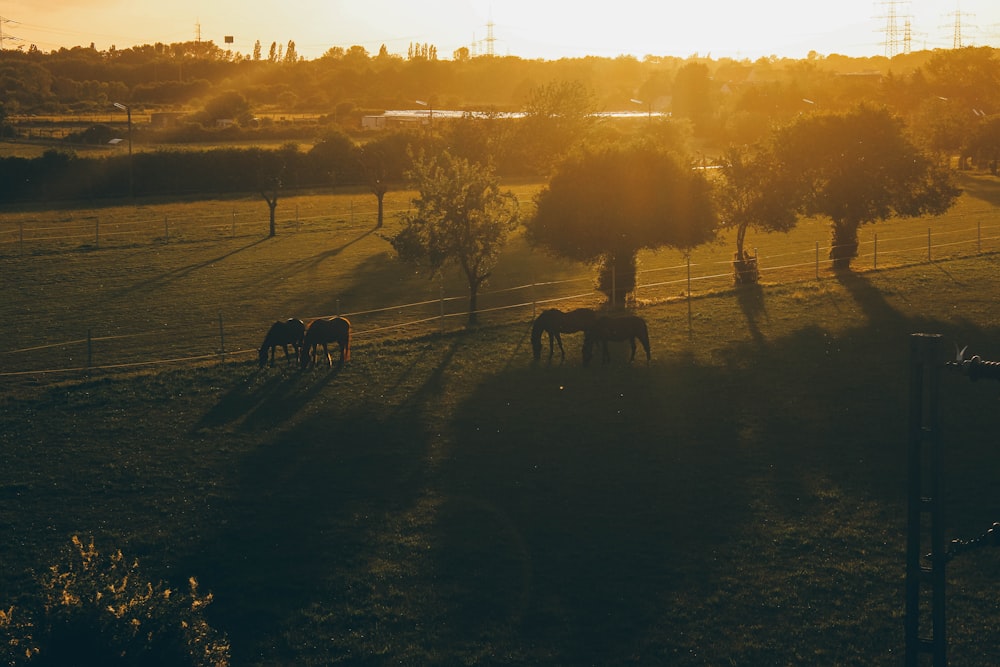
{"type": "Point", "coordinates": [860, 167]}
{"type": "Point", "coordinates": [603, 205]}
{"type": "Point", "coordinates": [462, 217]}
{"type": "Point", "coordinates": [555, 117]}
{"type": "Point", "coordinates": [755, 192]}
{"type": "Point", "coordinates": [384, 160]}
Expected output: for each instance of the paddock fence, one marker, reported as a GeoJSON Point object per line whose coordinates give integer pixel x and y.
{"type": "Point", "coordinates": [227, 339]}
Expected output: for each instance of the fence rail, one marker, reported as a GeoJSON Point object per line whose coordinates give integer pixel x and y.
{"type": "Point", "coordinates": [189, 342]}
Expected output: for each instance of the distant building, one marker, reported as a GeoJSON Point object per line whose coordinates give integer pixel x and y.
{"type": "Point", "coordinates": [162, 119]}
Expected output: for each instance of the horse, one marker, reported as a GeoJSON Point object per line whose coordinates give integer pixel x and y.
{"type": "Point", "coordinates": [554, 322]}
{"type": "Point", "coordinates": [604, 329]}
{"type": "Point", "coordinates": [283, 333]}
{"type": "Point", "coordinates": [324, 331]}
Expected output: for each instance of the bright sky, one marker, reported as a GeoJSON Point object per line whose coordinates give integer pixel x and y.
{"type": "Point", "coordinates": [548, 29]}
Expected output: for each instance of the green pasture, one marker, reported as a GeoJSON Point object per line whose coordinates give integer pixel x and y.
{"type": "Point", "coordinates": [740, 500]}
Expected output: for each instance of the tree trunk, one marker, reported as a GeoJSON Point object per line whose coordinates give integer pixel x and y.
{"type": "Point", "coordinates": [845, 244]}
{"type": "Point", "coordinates": [616, 277]}
{"type": "Point", "coordinates": [273, 204]}
{"type": "Point", "coordinates": [473, 303]}
{"type": "Point", "coordinates": [381, 209]}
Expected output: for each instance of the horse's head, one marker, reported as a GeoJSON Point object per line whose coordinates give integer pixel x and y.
{"type": "Point", "coordinates": [304, 356]}
{"type": "Point", "coordinates": [262, 356]}
{"type": "Point", "coordinates": [536, 348]}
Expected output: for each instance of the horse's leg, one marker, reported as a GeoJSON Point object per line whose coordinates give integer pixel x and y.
{"type": "Point", "coordinates": [632, 343]}
{"type": "Point", "coordinates": [329, 360]}
{"type": "Point", "coordinates": [562, 352]}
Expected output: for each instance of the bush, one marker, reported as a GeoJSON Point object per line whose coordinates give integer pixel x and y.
{"type": "Point", "coordinates": [97, 609]}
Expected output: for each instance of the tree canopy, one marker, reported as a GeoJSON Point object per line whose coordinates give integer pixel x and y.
{"type": "Point", "coordinates": [860, 167]}
{"type": "Point", "coordinates": [605, 204]}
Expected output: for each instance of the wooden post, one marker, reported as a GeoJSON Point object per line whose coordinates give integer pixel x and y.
{"type": "Point", "coordinates": [928, 244]}
{"type": "Point", "coordinates": [817, 260]}
{"type": "Point", "coordinates": [222, 341]}
{"type": "Point", "coordinates": [875, 253]}
{"type": "Point", "coordinates": [442, 305]}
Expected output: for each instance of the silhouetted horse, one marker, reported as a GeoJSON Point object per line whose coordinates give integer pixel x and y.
{"type": "Point", "coordinates": [604, 329]}
{"type": "Point", "coordinates": [321, 332]}
{"type": "Point", "coordinates": [554, 322]}
{"type": "Point", "coordinates": [289, 332]}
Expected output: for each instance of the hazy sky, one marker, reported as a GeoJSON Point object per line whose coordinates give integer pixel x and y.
{"type": "Point", "coordinates": [547, 29]}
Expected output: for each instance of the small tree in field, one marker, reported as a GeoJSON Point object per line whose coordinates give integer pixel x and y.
{"type": "Point", "coordinates": [604, 205]}
{"type": "Point", "coordinates": [859, 167]}
{"type": "Point", "coordinates": [462, 217]}
{"type": "Point", "coordinates": [755, 192]}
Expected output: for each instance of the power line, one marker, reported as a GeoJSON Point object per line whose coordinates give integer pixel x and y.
{"type": "Point", "coordinates": [9, 37]}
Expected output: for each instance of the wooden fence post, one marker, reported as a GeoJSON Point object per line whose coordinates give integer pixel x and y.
{"type": "Point", "coordinates": [875, 253]}
{"type": "Point", "coordinates": [222, 342]}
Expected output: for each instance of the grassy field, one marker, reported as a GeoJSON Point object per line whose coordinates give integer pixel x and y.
{"type": "Point", "coordinates": [442, 500]}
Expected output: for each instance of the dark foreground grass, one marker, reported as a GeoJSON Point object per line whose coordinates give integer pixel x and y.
{"type": "Point", "coordinates": [441, 500]}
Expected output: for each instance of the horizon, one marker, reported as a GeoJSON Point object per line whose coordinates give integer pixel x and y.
{"type": "Point", "coordinates": [531, 31]}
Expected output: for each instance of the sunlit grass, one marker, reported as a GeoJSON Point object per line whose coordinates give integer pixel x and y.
{"type": "Point", "coordinates": [442, 500]}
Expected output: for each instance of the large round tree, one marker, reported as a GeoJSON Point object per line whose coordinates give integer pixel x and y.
{"type": "Point", "coordinates": [860, 167]}
{"type": "Point", "coordinates": [605, 204]}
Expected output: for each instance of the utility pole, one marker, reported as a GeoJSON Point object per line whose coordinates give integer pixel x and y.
{"type": "Point", "coordinates": [892, 27]}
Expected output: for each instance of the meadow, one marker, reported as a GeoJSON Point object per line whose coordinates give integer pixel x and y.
{"type": "Point", "coordinates": [443, 500]}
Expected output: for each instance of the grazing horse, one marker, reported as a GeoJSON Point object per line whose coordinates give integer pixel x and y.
{"type": "Point", "coordinates": [289, 332]}
{"type": "Point", "coordinates": [604, 329]}
{"type": "Point", "coordinates": [321, 332]}
{"type": "Point", "coordinates": [555, 322]}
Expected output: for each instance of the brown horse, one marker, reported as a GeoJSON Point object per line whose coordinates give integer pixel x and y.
{"type": "Point", "coordinates": [324, 331]}
{"type": "Point", "coordinates": [283, 333]}
{"type": "Point", "coordinates": [629, 327]}
{"type": "Point", "coordinates": [555, 322]}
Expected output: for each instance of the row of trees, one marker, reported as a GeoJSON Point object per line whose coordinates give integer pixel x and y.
{"type": "Point", "coordinates": [605, 203]}
{"type": "Point", "coordinates": [939, 93]}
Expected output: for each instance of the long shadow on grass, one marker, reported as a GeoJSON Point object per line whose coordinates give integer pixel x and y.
{"type": "Point", "coordinates": [269, 397]}
{"type": "Point", "coordinates": [298, 532]}
{"type": "Point", "coordinates": [294, 269]}
{"type": "Point", "coordinates": [751, 300]}
{"type": "Point", "coordinates": [591, 514]}
{"type": "Point", "coordinates": [983, 188]}
{"type": "Point", "coordinates": [176, 274]}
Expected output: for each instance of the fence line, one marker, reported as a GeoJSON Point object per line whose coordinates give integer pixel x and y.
{"type": "Point", "coordinates": [905, 250]}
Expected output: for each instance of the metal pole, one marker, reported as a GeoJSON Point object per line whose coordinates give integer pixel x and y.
{"type": "Point", "coordinates": [924, 495]}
